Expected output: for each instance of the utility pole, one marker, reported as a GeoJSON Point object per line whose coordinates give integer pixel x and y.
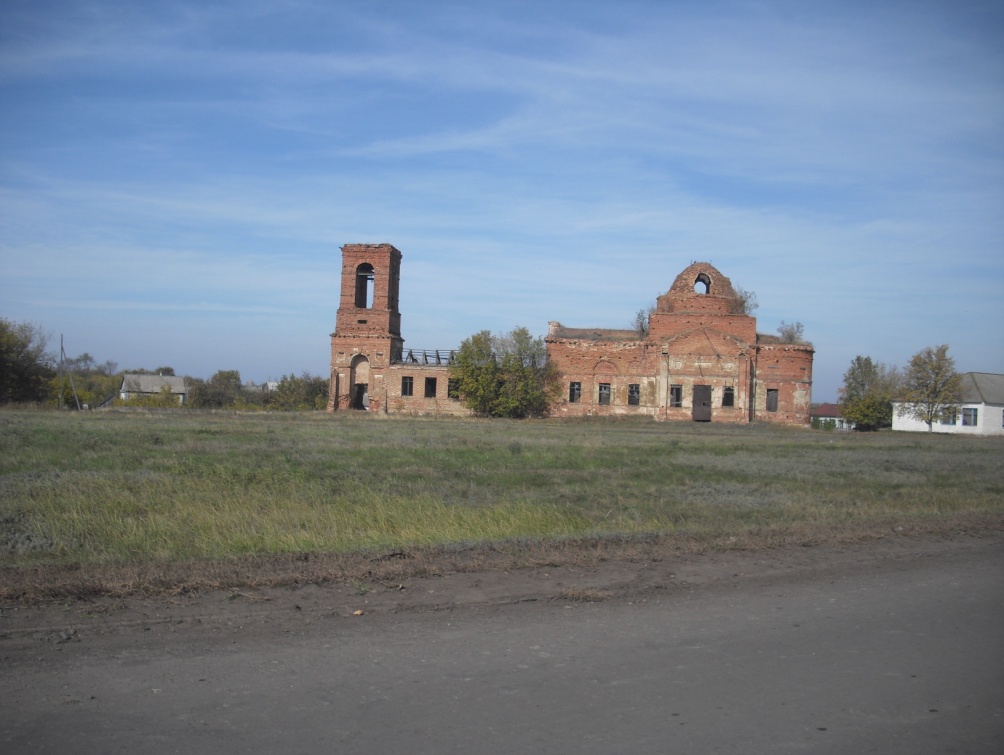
{"type": "Point", "coordinates": [62, 359]}
{"type": "Point", "coordinates": [59, 394]}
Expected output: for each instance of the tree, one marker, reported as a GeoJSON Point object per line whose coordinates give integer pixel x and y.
{"type": "Point", "coordinates": [505, 375]}
{"type": "Point", "coordinates": [641, 322]}
{"type": "Point", "coordinates": [745, 302]}
{"type": "Point", "coordinates": [866, 397]}
{"type": "Point", "coordinates": [869, 412]}
{"type": "Point", "coordinates": [476, 372]}
{"type": "Point", "coordinates": [641, 319]}
{"type": "Point", "coordinates": [219, 392]}
{"type": "Point", "coordinates": [791, 332]}
{"type": "Point", "coordinates": [304, 393]}
{"type": "Point", "coordinates": [932, 388]}
{"type": "Point", "coordinates": [25, 365]}
{"type": "Point", "coordinates": [94, 383]}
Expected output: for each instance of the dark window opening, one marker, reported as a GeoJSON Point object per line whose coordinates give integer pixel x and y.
{"type": "Point", "coordinates": [634, 394]}
{"type": "Point", "coordinates": [950, 417]}
{"type": "Point", "coordinates": [676, 395]}
{"type": "Point", "coordinates": [453, 389]}
{"type": "Point", "coordinates": [430, 387]}
{"type": "Point", "coordinates": [574, 393]}
{"type": "Point", "coordinates": [729, 397]}
{"type": "Point", "coordinates": [407, 386]}
{"type": "Point", "coordinates": [772, 399]}
{"type": "Point", "coordinates": [970, 417]}
{"type": "Point", "coordinates": [604, 394]}
{"type": "Point", "coordinates": [364, 286]}
{"type": "Point", "coordinates": [702, 284]}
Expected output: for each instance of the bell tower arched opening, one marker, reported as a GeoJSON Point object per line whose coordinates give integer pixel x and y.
{"type": "Point", "coordinates": [364, 286]}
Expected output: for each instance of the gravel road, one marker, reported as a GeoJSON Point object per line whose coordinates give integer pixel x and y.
{"type": "Point", "coordinates": [893, 646]}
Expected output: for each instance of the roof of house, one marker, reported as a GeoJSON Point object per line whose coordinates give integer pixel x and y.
{"type": "Point", "coordinates": [826, 410]}
{"type": "Point", "coordinates": [133, 383]}
{"type": "Point", "coordinates": [982, 388]}
{"type": "Point", "coordinates": [979, 388]}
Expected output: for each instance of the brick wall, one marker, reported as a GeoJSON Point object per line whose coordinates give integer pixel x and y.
{"type": "Point", "coordinates": [418, 403]}
{"type": "Point", "coordinates": [787, 369]}
{"type": "Point", "coordinates": [698, 355]}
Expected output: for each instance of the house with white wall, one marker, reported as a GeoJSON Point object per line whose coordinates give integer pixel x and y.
{"type": "Point", "coordinates": [980, 413]}
{"type": "Point", "coordinates": [829, 417]}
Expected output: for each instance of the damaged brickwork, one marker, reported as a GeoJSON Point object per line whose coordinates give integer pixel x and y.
{"type": "Point", "coordinates": [370, 368]}
{"type": "Point", "coordinates": [700, 359]}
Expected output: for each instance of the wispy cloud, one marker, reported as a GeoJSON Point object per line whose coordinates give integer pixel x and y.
{"type": "Point", "coordinates": [557, 162]}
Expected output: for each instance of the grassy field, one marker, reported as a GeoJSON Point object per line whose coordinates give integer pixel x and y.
{"type": "Point", "coordinates": [136, 492]}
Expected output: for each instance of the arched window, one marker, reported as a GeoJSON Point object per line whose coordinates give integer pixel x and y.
{"type": "Point", "coordinates": [702, 284]}
{"type": "Point", "coordinates": [364, 286]}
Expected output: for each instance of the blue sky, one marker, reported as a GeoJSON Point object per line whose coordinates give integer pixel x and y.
{"type": "Point", "coordinates": [176, 178]}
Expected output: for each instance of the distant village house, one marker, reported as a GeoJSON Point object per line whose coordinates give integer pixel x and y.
{"type": "Point", "coordinates": [828, 417]}
{"type": "Point", "coordinates": [143, 385]}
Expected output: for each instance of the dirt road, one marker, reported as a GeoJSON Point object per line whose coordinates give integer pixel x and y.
{"type": "Point", "coordinates": [891, 646]}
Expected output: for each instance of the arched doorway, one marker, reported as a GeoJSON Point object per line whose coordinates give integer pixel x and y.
{"type": "Point", "coordinates": [359, 383]}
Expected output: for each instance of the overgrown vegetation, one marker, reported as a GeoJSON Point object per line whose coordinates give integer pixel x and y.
{"type": "Point", "coordinates": [100, 490]}
{"type": "Point", "coordinates": [930, 385]}
{"type": "Point", "coordinates": [745, 302]}
{"type": "Point", "coordinates": [504, 375]}
{"type": "Point", "coordinates": [867, 393]}
{"type": "Point", "coordinates": [791, 332]}
{"type": "Point", "coordinates": [31, 375]}
{"type": "Point", "coordinates": [25, 364]}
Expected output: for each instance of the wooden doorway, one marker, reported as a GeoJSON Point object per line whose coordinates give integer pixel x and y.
{"type": "Point", "coordinates": [702, 403]}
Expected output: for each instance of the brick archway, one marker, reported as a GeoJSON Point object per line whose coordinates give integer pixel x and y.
{"type": "Point", "coordinates": [359, 381]}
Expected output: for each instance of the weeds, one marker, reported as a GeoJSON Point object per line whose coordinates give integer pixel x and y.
{"type": "Point", "coordinates": [169, 487]}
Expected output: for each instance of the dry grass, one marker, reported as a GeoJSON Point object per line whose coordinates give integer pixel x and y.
{"type": "Point", "coordinates": [55, 582]}
{"type": "Point", "coordinates": [144, 502]}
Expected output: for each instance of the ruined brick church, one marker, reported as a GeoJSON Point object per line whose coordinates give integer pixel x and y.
{"type": "Point", "coordinates": [699, 359]}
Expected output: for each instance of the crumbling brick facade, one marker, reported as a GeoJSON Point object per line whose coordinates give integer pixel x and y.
{"type": "Point", "coordinates": [370, 368]}
{"type": "Point", "coordinates": [699, 359]}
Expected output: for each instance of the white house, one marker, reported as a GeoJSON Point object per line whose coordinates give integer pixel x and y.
{"type": "Point", "coordinates": [828, 416]}
{"type": "Point", "coordinates": [980, 413]}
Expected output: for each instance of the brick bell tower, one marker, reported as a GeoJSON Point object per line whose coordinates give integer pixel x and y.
{"type": "Point", "coordinates": [367, 337]}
